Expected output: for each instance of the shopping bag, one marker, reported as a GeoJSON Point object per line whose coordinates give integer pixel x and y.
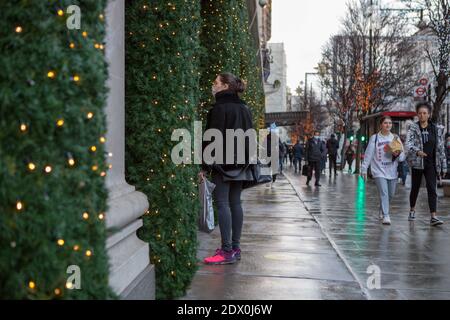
{"type": "Point", "coordinates": [206, 215]}
{"type": "Point", "coordinates": [305, 170]}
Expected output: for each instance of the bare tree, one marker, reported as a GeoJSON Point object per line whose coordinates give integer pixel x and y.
{"type": "Point", "coordinates": [437, 14]}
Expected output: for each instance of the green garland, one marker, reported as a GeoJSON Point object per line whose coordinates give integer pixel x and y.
{"type": "Point", "coordinates": [52, 163]}
{"type": "Point", "coordinates": [162, 95]}
{"type": "Point", "coordinates": [229, 47]}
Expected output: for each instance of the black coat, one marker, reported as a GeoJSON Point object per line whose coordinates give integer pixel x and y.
{"type": "Point", "coordinates": [332, 146]}
{"type": "Point", "coordinates": [229, 112]}
{"type": "Point", "coordinates": [315, 149]}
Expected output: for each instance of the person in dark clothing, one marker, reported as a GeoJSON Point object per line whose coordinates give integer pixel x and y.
{"type": "Point", "coordinates": [447, 176]}
{"type": "Point", "coordinates": [229, 112]}
{"type": "Point", "coordinates": [426, 157]}
{"type": "Point", "coordinates": [298, 151]}
{"type": "Point", "coordinates": [323, 161]}
{"type": "Point", "coordinates": [314, 150]}
{"type": "Point", "coordinates": [332, 147]}
{"type": "Point", "coordinates": [349, 156]}
{"type": "Point", "coordinates": [282, 154]}
{"type": "Point", "coordinates": [291, 156]}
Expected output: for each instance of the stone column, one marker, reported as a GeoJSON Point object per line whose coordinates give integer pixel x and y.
{"type": "Point", "coordinates": [131, 274]}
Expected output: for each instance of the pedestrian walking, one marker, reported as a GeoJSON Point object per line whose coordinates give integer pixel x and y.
{"type": "Point", "coordinates": [426, 157]}
{"type": "Point", "coordinates": [383, 153]}
{"type": "Point", "coordinates": [291, 156]}
{"type": "Point", "coordinates": [323, 161]}
{"type": "Point", "coordinates": [403, 168]}
{"type": "Point", "coordinates": [447, 176]}
{"type": "Point", "coordinates": [314, 151]}
{"type": "Point", "coordinates": [228, 112]}
{"type": "Point", "coordinates": [349, 156]}
{"type": "Point", "coordinates": [298, 155]}
{"type": "Point", "coordinates": [332, 147]}
{"type": "Point", "coordinates": [282, 155]}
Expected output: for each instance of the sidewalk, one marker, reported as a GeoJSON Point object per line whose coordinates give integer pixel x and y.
{"type": "Point", "coordinates": [285, 255]}
{"type": "Point", "coordinates": [414, 258]}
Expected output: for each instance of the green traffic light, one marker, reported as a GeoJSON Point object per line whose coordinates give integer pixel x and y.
{"type": "Point", "coordinates": [363, 138]}
{"type": "Point", "coordinates": [352, 138]}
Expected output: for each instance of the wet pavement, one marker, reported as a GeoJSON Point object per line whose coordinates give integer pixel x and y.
{"type": "Point", "coordinates": [285, 255]}
{"type": "Point", "coordinates": [413, 257]}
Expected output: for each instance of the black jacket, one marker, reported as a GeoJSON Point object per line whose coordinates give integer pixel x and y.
{"type": "Point", "coordinates": [315, 149]}
{"type": "Point", "coordinates": [229, 112]}
{"type": "Point", "coordinates": [332, 146]}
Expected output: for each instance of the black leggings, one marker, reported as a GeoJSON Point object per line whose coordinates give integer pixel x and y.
{"type": "Point", "coordinates": [431, 179]}
{"type": "Point", "coordinates": [227, 196]}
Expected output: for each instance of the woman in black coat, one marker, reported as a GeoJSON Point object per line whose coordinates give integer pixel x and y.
{"type": "Point", "coordinates": [229, 112]}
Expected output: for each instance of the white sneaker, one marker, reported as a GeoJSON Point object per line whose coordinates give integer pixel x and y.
{"type": "Point", "coordinates": [387, 220]}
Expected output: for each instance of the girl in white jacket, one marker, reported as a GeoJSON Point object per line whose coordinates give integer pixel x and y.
{"type": "Point", "coordinates": [383, 165]}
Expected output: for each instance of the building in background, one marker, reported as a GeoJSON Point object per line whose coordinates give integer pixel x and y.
{"type": "Point", "coordinates": [275, 87]}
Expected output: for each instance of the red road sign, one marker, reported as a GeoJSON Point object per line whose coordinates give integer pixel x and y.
{"type": "Point", "coordinates": [423, 81]}
{"type": "Point", "coordinates": [421, 91]}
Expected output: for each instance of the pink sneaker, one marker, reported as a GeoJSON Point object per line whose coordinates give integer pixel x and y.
{"type": "Point", "coordinates": [221, 257]}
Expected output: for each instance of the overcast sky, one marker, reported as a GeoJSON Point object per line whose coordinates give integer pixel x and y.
{"type": "Point", "coordinates": [304, 26]}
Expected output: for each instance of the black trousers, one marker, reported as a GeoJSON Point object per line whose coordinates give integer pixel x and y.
{"type": "Point", "coordinates": [332, 159]}
{"type": "Point", "coordinates": [314, 165]}
{"type": "Point", "coordinates": [431, 179]}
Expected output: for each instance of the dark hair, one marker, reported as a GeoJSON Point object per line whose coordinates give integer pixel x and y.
{"type": "Point", "coordinates": [384, 118]}
{"type": "Point", "coordinates": [235, 84]}
{"type": "Point", "coordinates": [424, 104]}
{"type": "Point", "coordinates": [317, 131]}
{"type": "Point", "coordinates": [333, 135]}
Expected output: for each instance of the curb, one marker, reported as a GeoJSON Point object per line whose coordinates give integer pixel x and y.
{"type": "Point", "coordinates": [364, 291]}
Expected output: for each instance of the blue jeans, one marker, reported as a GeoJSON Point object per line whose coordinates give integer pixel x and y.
{"type": "Point", "coordinates": [386, 190]}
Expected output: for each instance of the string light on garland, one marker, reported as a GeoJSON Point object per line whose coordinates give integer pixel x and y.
{"type": "Point", "coordinates": [84, 34]}
{"type": "Point", "coordinates": [51, 74]}
{"type": "Point", "coordinates": [76, 247]}
{"type": "Point", "coordinates": [70, 159]}
{"type": "Point", "coordinates": [19, 29]}
{"type": "Point", "coordinates": [60, 12]}
{"type": "Point", "coordinates": [88, 253]}
{"type": "Point", "coordinates": [23, 127]}
{"type": "Point", "coordinates": [60, 122]}
{"type": "Point", "coordinates": [72, 45]}
{"type": "Point", "coordinates": [90, 115]}
{"type": "Point", "coordinates": [102, 139]}
{"type": "Point", "coordinates": [48, 169]}
{"type": "Point", "coordinates": [19, 205]}
{"type": "Point", "coordinates": [31, 166]}
{"type": "Point", "coordinates": [85, 215]}
{"type": "Point", "coordinates": [69, 285]}
{"type": "Point", "coordinates": [76, 78]}
{"type": "Point", "coordinates": [60, 242]}
{"type": "Point", "coordinates": [57, 292]}
{"type": "Point", "coordinates": [94, 168]}
{"type": "Point", "coordinates": [101, 216]}
{"type": "Point", "coordinates": [32, 285]}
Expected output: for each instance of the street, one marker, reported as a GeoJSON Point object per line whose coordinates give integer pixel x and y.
{"type": "Point", "coordinates": [303, 242]}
